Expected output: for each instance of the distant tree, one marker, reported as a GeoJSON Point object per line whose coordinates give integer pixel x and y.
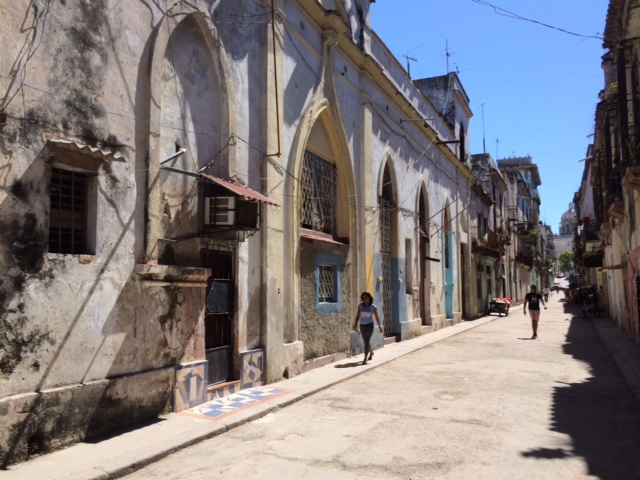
{"type": "Point", "coordinates": [566, 260]}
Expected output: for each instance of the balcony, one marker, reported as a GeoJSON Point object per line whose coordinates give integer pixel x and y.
{"type": "Point", "coordinates": [484, 241]}
{"type": "Point", "coordinates": [524, 259]}
{"type": "Point", "coordinates": [512, 214]}
{"type": "Point", "coordinates": [589, 232]}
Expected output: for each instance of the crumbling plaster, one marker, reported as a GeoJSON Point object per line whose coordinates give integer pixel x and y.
{"type": "Point", "coordinates": [69, 322]}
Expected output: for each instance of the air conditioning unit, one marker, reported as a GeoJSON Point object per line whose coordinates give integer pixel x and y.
{"type": "Point", "coordinates": [220, 211]}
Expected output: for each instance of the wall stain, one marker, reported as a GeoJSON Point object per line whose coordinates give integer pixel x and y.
{"type": "Point", "coordinates": [15, 341]}
{"type": "Point", "coordinates": [28, 243]}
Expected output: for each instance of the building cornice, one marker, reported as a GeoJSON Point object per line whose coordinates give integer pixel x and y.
{"type": "Point", "coordinates": [375, 72]}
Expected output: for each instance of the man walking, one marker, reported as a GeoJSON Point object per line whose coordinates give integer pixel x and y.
{"type": "Point", "coordinates": [533, 300]}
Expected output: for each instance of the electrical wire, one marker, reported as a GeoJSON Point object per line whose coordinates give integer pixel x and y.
{"type": "Point", "coordinates": [507, 13]}
{"type": "Point", "coordinates": [233, 136]}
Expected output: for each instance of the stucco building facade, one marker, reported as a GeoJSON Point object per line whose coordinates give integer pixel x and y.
{"type": "Point", "coordinates": [607, 239]}
{"type": "Point", "coordinates": [195, 194]}
{"type": "Point", "coordinates": [523, 215]}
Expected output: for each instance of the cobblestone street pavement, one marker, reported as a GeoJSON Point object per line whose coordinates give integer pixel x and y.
{"type": "Point", "coordinates": [488, 403]}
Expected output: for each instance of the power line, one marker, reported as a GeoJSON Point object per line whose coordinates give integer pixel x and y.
{"type": "Point", "coordinates": [507, 13]}
{"type": "Point", "coordinates": [232, 136]}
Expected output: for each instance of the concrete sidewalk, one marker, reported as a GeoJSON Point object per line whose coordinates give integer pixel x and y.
{"type": "Point", "coordinates": [127, 452]}
{"type": "Point", "coordinates": [625, 352]}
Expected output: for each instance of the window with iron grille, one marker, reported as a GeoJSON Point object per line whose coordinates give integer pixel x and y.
{"type": "Point", "coordinates": [318, 205]}
{"type": "Point", "coordinates": [327, 284]}
{"type": "Point", "coordinates": [67, 215]}
{"type": "Point", "coordinates": [328, 289]}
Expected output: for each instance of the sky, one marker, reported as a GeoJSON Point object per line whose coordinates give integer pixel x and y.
{"type": "Point", "coordinates": [533, 89]}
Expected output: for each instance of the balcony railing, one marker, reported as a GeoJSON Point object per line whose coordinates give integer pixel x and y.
{"type": "Point", "coordinates": [589, 232]}
{"type": "Point", "coordinates": [524, 259]}
{"type": "Point", "coordinates": [485, 241]}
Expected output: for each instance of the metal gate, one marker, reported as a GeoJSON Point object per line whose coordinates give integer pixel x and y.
{"type": "Point", "coordinates": [218, 320]}
{"type": "Point", "coordinates": [385, 258]}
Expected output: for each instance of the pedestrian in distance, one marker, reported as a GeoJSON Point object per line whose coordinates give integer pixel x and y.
{"type": "Point", "coordinates": [367, 311]}
{"type": "Point", "coordinates": [545, 292]}
{"type": "Point", "coordinates": [533, 300]}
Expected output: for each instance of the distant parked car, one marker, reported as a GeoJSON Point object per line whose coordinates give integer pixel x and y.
{"type": "Point", "coordinates": [560, 275]}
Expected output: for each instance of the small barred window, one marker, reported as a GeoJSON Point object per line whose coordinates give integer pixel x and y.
{"type": "Point", "coordinates": [68, 216]}
{"type": "Point", "coordinates": [327, 286]}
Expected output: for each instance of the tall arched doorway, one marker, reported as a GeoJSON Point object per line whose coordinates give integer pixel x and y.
{"type": "Point", "coordinates": [387, 239]}
{"type": "Point", "coordinates": [324, 251]}
{"type": "Point", "coordinates": [424, 259]}
{"type": "Point", "coordinates": [449, 276]}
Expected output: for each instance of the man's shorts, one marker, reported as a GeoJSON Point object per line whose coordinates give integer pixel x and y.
{"type": "Point", "coordinates": [534, 314]}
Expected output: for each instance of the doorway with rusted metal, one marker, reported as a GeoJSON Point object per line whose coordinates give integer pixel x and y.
{"type": "Point", "coordinates": [218, 320]}
{"type": "Point", "coordinates": [386, 235]}
{"type": "Point", "coordinates": [424, 257]}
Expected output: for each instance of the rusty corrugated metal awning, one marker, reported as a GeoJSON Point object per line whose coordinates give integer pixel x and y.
{"type": "Point", "coordinates": [104, 153]}
{"type": "Point", "coordinates": [240, 190]}
{"type": "Point", "coordinates": [325, 237]}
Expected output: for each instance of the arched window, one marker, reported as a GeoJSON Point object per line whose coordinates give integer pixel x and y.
{"type": "Point", "coordinates": [319, 179]}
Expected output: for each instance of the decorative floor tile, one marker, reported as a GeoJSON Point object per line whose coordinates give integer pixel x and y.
{"type": "Point", "coordinates": [223, 407]}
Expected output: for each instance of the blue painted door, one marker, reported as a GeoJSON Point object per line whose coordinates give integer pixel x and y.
{"type": "Point", "coordinates": [449, 282]}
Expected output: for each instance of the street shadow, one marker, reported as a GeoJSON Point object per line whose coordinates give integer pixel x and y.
{"type": "Point", "coordinates": [547, 453]}
{"type": "Point", "coordinates": [121, 431]}
{"type": "Point", "coordinates": [348, 365]}
{"type": "Point", "coordinates": [600, 415]}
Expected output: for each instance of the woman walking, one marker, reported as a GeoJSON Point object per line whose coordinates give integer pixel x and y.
{"type": "Point", "coordinates": [367, 311]}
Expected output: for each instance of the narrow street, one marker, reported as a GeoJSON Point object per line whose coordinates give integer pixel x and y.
{"type": "Point", "coordinates": [489, 403]}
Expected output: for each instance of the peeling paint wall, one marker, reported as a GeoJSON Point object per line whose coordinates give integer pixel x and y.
{"type": "Point", "coordinates": [107, 90]}
{"type": "Point", "coordinates": [87, 342]}
{"type": "Point", "coordinates": [324, 333]}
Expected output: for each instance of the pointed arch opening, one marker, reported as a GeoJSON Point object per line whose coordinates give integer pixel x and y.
{"type": "Point", "coordinates": [324, 191]}
{"type": "Point", "coordinates": [447, 260]}
{"type": "Point", "coordinates": [424, 257]}
{"type": "Point", "coordinates": [326, 225]}
{"type": "Point", "coordinates": [191, 107]}
{"type": "Point", "coordinates": [388, 226]}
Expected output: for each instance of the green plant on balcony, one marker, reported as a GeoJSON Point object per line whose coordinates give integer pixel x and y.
{"type": "Point", "coordinates": [618, 170]}
{"type": "Point", "coordinates": [531, 234]}
{"type": "Point", "coordinates": [503, 238]}
{"type": "Point", "coordinates": [633, 149]}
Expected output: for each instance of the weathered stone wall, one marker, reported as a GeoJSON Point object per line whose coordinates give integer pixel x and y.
{"type": "Point", "coordinates": [34, 423]}
{"type": "Point", "coordinates": [324, 334]}
{"type": "Point", "coordinates": [88, 341]}
{"type": "Point", "coordinates": [127, 83]}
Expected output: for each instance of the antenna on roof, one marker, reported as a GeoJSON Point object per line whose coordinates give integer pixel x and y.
{"type": "Point", "coordinates": [484, 147]}
{"type": "Point", "coordinates": [408, 64]}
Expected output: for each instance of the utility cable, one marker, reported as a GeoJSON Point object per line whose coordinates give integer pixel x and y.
{"type": "Point", "coordinates": [507, 13]}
